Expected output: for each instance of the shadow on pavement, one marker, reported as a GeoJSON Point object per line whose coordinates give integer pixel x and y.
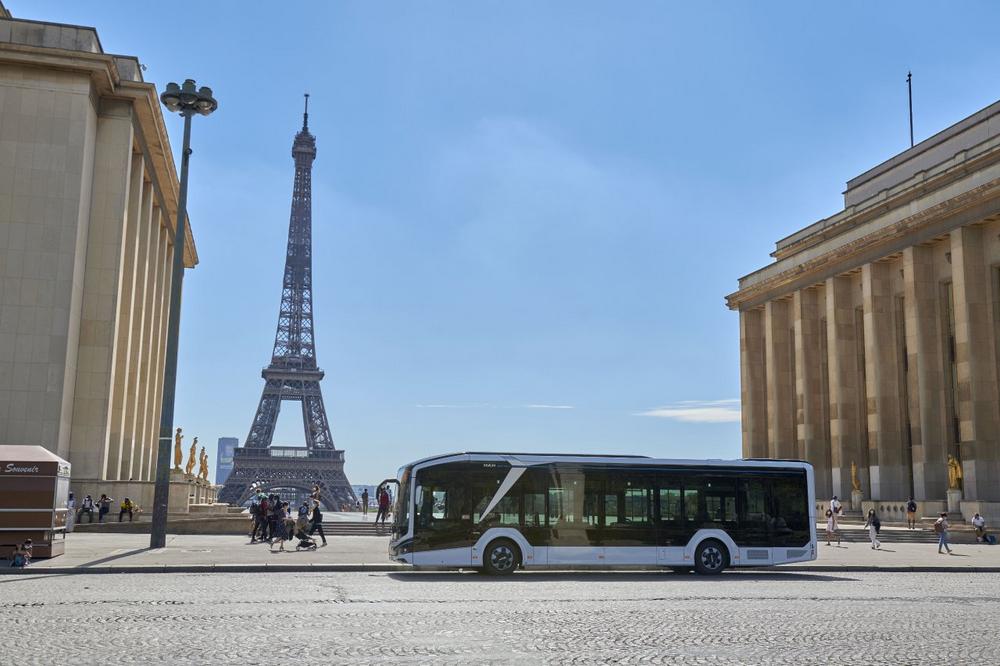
{"type": "Point", "coordinates": [608, 576]}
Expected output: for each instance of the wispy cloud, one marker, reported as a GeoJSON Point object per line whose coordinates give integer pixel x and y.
{"type": "Point", "coordinates": [698, 411]}
{"type": "Point", "coordinates": [489, 405]}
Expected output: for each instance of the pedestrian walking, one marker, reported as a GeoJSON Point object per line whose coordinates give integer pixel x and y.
{"type": "Point", "coordinates": [70, 515]}
{"type": "Point", "coordinates": [873, 524]}
{"type": "Point", "coordinates": [979, 525]}
{"type": "Point", "coordinates": [126, 507]}
{"type": "Point", "coordinates": [316, 523]}
{"type": "Point", "coordinates": [835, 508]}
{"type": "Point", "coordinates": [831, 528]}
{"type": "Point", "coordinates": [103, 507]}
{"type": "Point", "coordinates": [278, 532]}
{"type": "Point", "coordinates": [364, 503]}
{"type": "Point", "coordinates": [383, 505]}
{"type": "Point", "coordinates": [316, 492]}
{"type": "Point", "coordinates": [911, 515]}
{"type": "Point", "coordinates": [941, 529]}
{"type": "Point", "coordinates": [87, 507]}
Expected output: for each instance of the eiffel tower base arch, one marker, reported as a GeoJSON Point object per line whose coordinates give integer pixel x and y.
{"type": "Point", "coordinates": [281, 467]}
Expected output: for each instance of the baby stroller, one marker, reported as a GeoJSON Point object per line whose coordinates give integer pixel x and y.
{"type": "Point", "coordinates": [305, 543]}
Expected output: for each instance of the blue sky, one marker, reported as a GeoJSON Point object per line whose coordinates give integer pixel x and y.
{"type": "Point", "coordinates": [526, 215]}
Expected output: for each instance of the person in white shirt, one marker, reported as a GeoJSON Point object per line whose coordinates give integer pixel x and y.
{"type": "Point", "coordinates": [979, 524]}
{"type": "Point", "coordinates": [70, 514]}
{"type": "Point", "coordinates": [941, 529]}
{"type": "Point", "coordinates": [873, 524]}
{"type": "Point", "coordinates": [835, 509]}
{"type": "Point", "coordinates": [831, 528]}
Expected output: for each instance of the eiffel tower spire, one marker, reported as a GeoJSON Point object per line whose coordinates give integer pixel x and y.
{"type": "Point", "coordinates": [293, 374]}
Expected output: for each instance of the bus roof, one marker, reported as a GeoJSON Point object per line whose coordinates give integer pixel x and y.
{"type": "Point", "coordinates": [540, 458]}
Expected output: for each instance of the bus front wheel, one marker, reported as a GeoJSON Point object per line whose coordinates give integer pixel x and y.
{"type": "Point", "coordinates": [710, 557]}
{"type": "Point", "coordinates": [501, 558]}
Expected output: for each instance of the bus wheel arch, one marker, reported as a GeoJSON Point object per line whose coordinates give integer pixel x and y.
{"type": "Point", "coordinates": [711, 557]}
{"type": "Point", "coordinates": [502, 557]}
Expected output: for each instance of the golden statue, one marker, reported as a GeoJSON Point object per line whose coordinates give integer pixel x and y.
{"type": "Point", "coordinates": [855, 484]}
{"type": "Point", "coordinates": [203, 467]}
{"type": "Point", "coordinates": [178, 452]}
{"type": "Point", "coordinates": [954, 473]}
{"type": "Point", "coordinates": [189, 468]}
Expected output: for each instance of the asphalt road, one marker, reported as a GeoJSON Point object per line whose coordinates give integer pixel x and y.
{"type": "Point", "coordinates": [737, 618]}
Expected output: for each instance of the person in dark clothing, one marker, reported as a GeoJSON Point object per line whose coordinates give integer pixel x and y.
{"type": "Point", "coordinates": [316, 522]}
{"type": "Point", "coordinates": [364, 503]}
{"type": "Point", "coordinates": [103, 506]}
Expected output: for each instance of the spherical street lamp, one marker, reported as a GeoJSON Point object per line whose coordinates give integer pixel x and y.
{"type": "Point", "coordinates": [187, 101]}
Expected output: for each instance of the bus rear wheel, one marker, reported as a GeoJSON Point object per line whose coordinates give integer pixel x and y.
{"type": "Point", "coordinates": [501, 558]}
{"type": "Point", "coordinates": [710, 557]}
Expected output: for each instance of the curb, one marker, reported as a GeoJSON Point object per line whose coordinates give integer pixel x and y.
{"type": "Point", "coordinates": [402, 568]}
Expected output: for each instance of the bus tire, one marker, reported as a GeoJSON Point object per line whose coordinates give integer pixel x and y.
{"type": "Point", "coordinates": [501, 557]}
{"type": "Point", "coordinates": [710, 557]}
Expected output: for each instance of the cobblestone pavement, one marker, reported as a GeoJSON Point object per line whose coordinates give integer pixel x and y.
{"type": "Point", "coordinates": [572, 618]}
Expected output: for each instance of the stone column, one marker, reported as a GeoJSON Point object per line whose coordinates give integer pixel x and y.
{"type": "Point", "coordinates": [842, 361]}
{"type": "Point", "coordinates": [144, 426]}
{"type": "Point", "coordinates": [780, 381]}
{"type": "Point", "coordinates": [753, 383]}
{"type": "Point", "coordinates": [976, 365]}
{"type": "Point", "coordinates": [166, 257]}
{"type": "Point", "coordinates": [928, 416]}
{"type": "Point", "coordinates": [131, 435]}
{"type": "Point", "coordinates": [123, 322]}
{"type": "Point", "coordinates": [90, 444]}
{"type": "Point", "coordinates": [810, 391]}
{"type": "Point", "coordinates": [886, 461]}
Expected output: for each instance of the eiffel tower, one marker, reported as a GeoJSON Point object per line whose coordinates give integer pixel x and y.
{"type": "Point", "coordinates": [293, 375]}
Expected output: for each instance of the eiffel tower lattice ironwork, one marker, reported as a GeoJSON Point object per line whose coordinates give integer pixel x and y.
{"type": "Point", "coordinates": [293, 374]}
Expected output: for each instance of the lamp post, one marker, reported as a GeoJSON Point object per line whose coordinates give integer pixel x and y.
{"type": "Point", "coordinates": [187, 101]}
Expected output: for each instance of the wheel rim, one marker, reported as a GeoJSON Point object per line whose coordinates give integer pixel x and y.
{"type": "Point", "coordinates": [711, 558]}
{"type": "Point", "coordinates": [502, 558]}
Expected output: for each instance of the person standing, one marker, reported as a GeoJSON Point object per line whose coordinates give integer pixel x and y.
{"type": "Point", "coordinates": [941, 529]}
{"type": "Point", "coordinates": [911, 514]}
{"type": "Point", "coordinates": [278, 532]}
{"type": "Point", "coordinates": [873, 524]}
{"type": "Point", "coordinates": [831, 528]}
{"type": "Point", "coordinates": [70, 515]}
{"type": "Point", "coordinates": [316, 522]}
{"type": "Point", "coordinates": [364, 503]}
{"type": "Point", "coordinates": [835, 508]}
{"type": "Point", "coordinates": [87, 507]}
{"type": "Point", "coordinates": [383, 505]}
{"type": "Point", "coordinates": [979, 525]}
{"type": "Point", "coordinates": [103, 507]}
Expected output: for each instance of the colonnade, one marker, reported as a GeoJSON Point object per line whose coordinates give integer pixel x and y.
{"type": "Point", "coordinates": [891, 367]}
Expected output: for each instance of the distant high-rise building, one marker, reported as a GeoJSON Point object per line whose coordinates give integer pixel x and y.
{"type": "Point", "coordinates": [224, 458]}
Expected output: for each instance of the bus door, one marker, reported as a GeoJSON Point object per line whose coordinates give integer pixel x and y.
{"type": "Point", "coordinates": [439, 526]}
{"type": "Point", "coordinates": [572, 501]}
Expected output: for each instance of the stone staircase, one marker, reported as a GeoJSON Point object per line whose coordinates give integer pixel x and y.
{"type": "Point", "coordinates": [856, 533]}
{"type": "Point", "coordinates": [355, 528]}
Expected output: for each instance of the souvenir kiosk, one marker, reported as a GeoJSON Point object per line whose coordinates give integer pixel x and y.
{"type": "Point", "coordinates": [34, 486]}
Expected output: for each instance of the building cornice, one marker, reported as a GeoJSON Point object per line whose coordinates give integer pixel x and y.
{"type": "Point", "coordinates": [107, 81]}
{"type": "Point", "coordinates": [971, 206]}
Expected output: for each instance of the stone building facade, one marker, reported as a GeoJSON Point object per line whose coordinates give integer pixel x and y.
{"type": "Point", "coordinates": [88, 200]}
{"type": "Point", "coordinates": [873, 338]}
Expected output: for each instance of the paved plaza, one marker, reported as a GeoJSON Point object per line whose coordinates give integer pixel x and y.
{"type": "Point", "coordinates": [579, 618]}
{"type": "Point", "coordinates": [124, 552]}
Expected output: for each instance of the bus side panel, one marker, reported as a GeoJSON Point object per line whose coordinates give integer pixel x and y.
{"type": "Point", "coordinates": [443, 557]}
{"type": "Point", "coordinates": [632, 555]}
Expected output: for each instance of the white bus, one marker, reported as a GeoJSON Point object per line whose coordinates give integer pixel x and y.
{"type": "Point", "coordinates": [498, 512]}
